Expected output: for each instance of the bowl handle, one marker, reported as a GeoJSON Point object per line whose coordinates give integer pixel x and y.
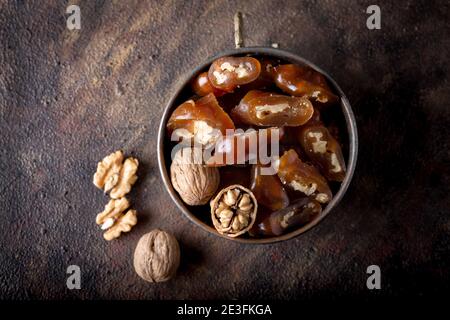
{"type": "Point", "coordinates": [238, 39]}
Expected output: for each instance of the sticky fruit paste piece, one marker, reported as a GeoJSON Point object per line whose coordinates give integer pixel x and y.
{"type": "Point", "coordinates": [268, 189]}
{"type": "Point", "coordinates": [202, 120]}
{"type": "Point", "coordinates": [297, 215]}
{"type": "Point", "coordinates": [202, 86]}
{"type": "Point", "coordinates": [323, 150]}
{"type": "Point", "coordinates": [303, 177]}
{"type": "Point", "coordinates": [303, 81]}
{"type": "Point", "coordinates": [243, 147]}
{"type": "Point", "coordinates": [270, 109]}
{"type": "Point", "coordinates": [226, 73]}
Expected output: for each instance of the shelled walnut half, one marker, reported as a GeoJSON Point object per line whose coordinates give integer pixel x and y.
{"type": "Point", "coordinates": [115, 176]}
{"type": "Point", "coordinates": [114, 220]}
{"type": "Point", "coordinates": [233, 210]}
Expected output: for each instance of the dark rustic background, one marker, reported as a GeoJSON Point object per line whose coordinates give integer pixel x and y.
{"type": "Point", "coordinates": [68, 98]}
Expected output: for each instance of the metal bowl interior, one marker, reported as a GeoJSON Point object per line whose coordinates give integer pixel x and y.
{"type": "Point", "coordinates": [350, 123]}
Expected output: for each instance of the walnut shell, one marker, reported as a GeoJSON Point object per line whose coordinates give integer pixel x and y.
{"type": "Point", "coordinates": [233, 210]}
{"type": "Point", "coordinates": [194, 182]}
{"type": "Point", "coordinates": [157, 256]}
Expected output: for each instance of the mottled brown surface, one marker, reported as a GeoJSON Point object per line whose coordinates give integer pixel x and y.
{"type": "Point", "coordinates": [67, 98]}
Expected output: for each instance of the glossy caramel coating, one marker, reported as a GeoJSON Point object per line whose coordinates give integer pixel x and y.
{"type": "Point", "coordinates": [200, 120]}
{"type": "Point", "coordinates": [303, 81]}
{"type": "Point", "coordinates": [323, 150]}
{"type": "Point", "coordinates": [202, 86]}
{"type": "Point", "coordinates": [302, 177]}
{"type": "Point", "coordinates": [298, 214]}
{"type": "Point", "coordinates": [270, 109]}
{"type": "Point", "coordinates": [227, 73]}
{"type": "Point", "coordinates": [268, 189]}
{"type": "Point", "coordinates": [242, 147]}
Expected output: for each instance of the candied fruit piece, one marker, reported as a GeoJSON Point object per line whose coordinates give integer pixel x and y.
{"type": "Point", "coordinates": [202, 120]}
{"type": "Point", "coordinates": [303, 177]}
{"type": "Point", "coordinates": [202, 86]}
{"type": "Point", "coordinates": [242, 147]}
{"type": "Point", "coordinates": [298, 214]}
{"type": "Point", "coordinates": [227, 73]}
{"type": "Point", "coordinates": [268, 189]}
{"type": "Point", "coordinates": [303, 81]}
{"type": "Point", "coordinates": [323, 150]}
{"type": "Point", "coordinates": [270, 109]}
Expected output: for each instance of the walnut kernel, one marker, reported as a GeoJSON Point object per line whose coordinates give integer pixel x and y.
{"type": "Point", "coordinates": [115, 176]}
{"type": "Point", "coordinates": [122, 224]}
{"type": "Point", "coordinates": [108, 170]}
{"type": "Point", "coordinates": [113, 219]}
{"type": "Point", "coordinates": [127, 178]}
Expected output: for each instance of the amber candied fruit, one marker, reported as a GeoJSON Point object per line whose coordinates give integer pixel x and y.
{"type": "Point", "coordinates": [296, 215]}
{"type": "Point", "coordinates": [202, 86]}
{"type": "Point", "coordinates": [270, 109]}
{"type": "Point", "coordinates": [303, 81]}
{"type": "Point", "coordinates": [202, 120]}
{"type": "Point", "coordinates": [323, 150]}
{"type": "Point", "coordinates": [243, 147]}
{"type": "Point", "coordinates": [268, 189]}
{"type": "Point", "coordinates": [303, 177]}
{"type": "Point", "coordinates": [227, 73]}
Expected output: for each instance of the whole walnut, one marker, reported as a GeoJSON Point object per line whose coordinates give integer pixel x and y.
{"type": "Point", "coordinates": [194, 182]}
{"type": "Point", "coordinates": [157, 256]}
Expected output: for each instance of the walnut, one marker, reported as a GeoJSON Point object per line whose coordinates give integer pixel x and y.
{"type": "Point", "coordinates": [194, 182]}
{"type": "Point", "coordinates": [157, 256]}
{"type": "Point", "coordinates": [115, 176]}
{"type": "Point", "coordinates": [233, 210]}
{"type": "Point", "coordinates": [113, 219]}
{"type": "Point", "coordinates": [122, 224]}
{"type": "Point", "coordinates": [108, 170]}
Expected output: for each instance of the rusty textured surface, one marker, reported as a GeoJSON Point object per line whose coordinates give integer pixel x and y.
{"type": "Point", "coordinates": [67, 98]}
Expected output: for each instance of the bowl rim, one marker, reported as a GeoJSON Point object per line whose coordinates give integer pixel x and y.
{"type": "Point", "coordinates": [294, 58]}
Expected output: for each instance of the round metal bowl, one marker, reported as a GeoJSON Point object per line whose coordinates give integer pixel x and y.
{"type": "Point", "coordinates": [164, 155]}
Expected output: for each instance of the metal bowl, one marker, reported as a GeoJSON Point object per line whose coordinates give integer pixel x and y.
{"type": "Point", "coordinates": [164, 155]}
